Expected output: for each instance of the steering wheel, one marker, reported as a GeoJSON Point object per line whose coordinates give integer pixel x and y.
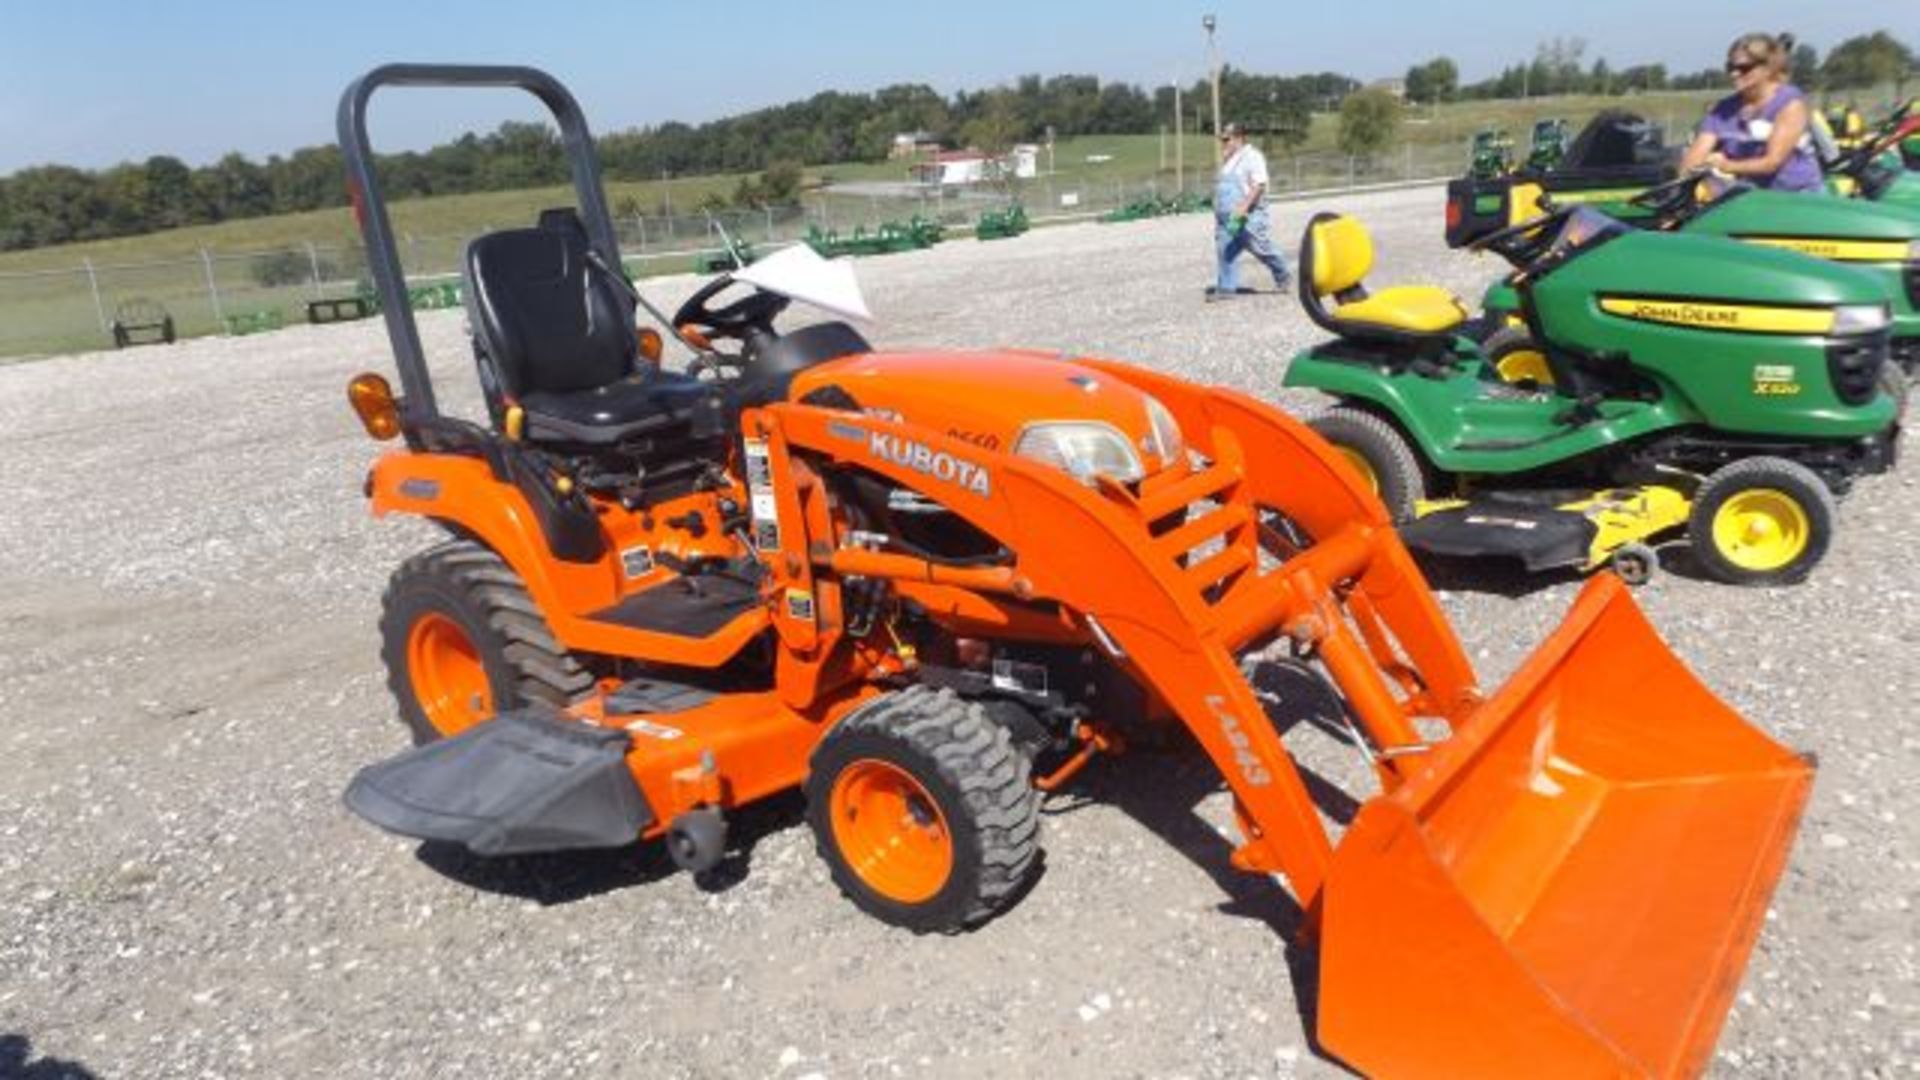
{"type": "Point", "coordinates": [1672, 195]}
{"type": "Point", "coordinates": [737, 320]}
{"type": "Point", "coordinates": [1858, 161]}
{"type": "Point", "coordinates": [1503, 240]}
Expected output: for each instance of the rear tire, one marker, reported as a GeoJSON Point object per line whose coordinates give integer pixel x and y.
{"type": "Point", "coordinates": [1762, 521]}
{"type": "Point", "coordinates": [463, 640]}
{"type": "Point", "coordinates": [924, 810]}
{"type": "Point", "coordinates": [1376, 449]}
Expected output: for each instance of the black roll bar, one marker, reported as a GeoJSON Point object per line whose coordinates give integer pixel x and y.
{"type": "Point", "coordinates": [370, 208]}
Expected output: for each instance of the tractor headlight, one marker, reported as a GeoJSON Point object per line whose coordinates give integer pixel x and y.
{"type": "Point", "coordinates": [1163, 440]}
{"type": "Point", "coordinates": [1083, 449]}
{"type": "Point", "coordinates": [1860, 319]}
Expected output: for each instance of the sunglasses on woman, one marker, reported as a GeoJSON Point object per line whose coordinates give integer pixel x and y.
{"type": "Point", "coordinates": [1735, 67]}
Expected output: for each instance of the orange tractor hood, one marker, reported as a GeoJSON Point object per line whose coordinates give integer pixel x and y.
{"type": "Point", "coordinates": [985, 397]}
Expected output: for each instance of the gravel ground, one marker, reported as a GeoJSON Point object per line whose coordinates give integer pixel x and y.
{"type": "Point", "coordinates": [189, 675]}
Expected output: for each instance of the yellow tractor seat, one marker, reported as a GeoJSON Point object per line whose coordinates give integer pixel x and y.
{"type": "Point", "coordinates": [1418, 309]}
{"type": "Point", "coordinates": [1335, 254]}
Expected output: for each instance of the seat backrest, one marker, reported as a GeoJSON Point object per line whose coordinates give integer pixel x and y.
{"type": "Point", "coordinates": [1339, 253]}
{"type": "Point", "coordinates": [546, 318]}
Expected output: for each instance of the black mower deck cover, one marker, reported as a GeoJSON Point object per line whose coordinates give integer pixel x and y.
{"type": "Point", "coordinates": [528, 780]}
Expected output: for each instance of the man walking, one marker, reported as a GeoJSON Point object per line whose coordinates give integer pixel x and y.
{"type": "Point", "coordinates": [1240, 214]}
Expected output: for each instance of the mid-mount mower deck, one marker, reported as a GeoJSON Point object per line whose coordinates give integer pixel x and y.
{"type": "Point", "coordinates": [926, 587]}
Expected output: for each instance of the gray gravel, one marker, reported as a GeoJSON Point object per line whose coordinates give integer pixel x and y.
{"type": "Point", "coordinates": [189, 675]}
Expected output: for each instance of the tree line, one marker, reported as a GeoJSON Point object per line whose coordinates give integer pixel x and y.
{"type": "Point", "coordinates": [1559, 67]}
{"type": "Point", "coordinates": [56, 204]}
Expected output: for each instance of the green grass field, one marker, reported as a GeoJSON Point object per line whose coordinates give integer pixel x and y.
{"type": "Point", "coordinates": [47, 304]}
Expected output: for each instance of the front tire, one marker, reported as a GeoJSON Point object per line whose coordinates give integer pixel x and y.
{"type": "Point", "coordinates": [1514, 355]}
{"type": "Point", "coordinates": [924, 810]}
{"type": "Point", "coordinates": [1379, 453]}
{"type": "Point", "coordinates": [463, 640]}
{"type": "Point", "coordinates": [1762, 521]}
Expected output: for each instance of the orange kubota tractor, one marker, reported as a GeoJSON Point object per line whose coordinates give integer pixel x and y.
{"type": "Point", "coordinates": [926, 587]}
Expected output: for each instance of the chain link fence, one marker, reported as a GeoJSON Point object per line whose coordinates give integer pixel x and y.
{"type": "Point", "coordinates": [50, 311]}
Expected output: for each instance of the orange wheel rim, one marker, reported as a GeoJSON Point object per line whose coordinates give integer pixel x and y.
{"type": "Point", "coordinates": [891, 831]}
{"type": "Point", "coordinates": [449, 681]}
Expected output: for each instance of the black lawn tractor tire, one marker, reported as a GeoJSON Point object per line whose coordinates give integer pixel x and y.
{"type": "Point", "coordinates": [1385, 457]}
{"type": "Point", "coordinates": [463, 614]}
{"type": "Point", "coordinates": [1789, 514]}
{"type": "Point", "coordinates": [924, 810]}
{"type": "Point", "coordinates": [1516, 357]}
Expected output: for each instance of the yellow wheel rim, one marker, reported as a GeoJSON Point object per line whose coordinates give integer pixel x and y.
{"type": "Point", "coordinates": [1761, 529]}
{"type": "Point", "coordinates": [449, 680]}
{"type": "Point", "coordinates": [1362, 466]}
{"type": "Point", "coordinates": [1525, 364]}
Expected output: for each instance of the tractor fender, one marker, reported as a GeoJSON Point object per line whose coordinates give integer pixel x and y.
{"type": "Point", "coordinates": [462, 494]}
{"type": "Point", "coordinates": [1444, 417]}
{"type": "Point", "coordinates": [1363, 383]}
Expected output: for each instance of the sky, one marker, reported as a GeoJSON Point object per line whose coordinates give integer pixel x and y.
{"type": "Point", "coordinates": [96, 82]}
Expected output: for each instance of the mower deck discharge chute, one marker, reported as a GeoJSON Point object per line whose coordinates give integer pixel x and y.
{"type": "Point", "coordinates": [927, 587]}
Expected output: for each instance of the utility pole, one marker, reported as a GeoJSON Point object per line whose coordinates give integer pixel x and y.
{"type": "Point", "coordinates": [1179, 139]}
{"type": "Point", "coordinates": [666, 184]}
{"type": "Point", "coordinates": [1213, 67]}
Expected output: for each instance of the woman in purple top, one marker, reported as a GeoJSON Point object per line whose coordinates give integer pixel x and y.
{"type": "Point", "coordinates": [1760, 132]}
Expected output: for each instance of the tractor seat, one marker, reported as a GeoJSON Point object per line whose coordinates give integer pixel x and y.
{"type": "Point", "coordinates": [1335, 254]}
{"type": "Point", "coordinates": [1420, 309]}
{"type": "Point", "coordinates": [555, 335]}
{"type": "Point", "coordinates": [636, 406]}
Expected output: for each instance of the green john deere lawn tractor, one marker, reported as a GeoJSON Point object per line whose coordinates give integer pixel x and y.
{"type": "Point", "coordinates": [1696, 385]}
{"type": "Point", "coordinates": [1879, 238]}
{"type": "Point", "coordinates": [1881, 168]}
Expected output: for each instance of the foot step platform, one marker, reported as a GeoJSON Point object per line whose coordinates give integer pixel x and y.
{"type": "Point", "coordinates": [695, 606]}
{"type": "Point", "coordinates": [528, 780]}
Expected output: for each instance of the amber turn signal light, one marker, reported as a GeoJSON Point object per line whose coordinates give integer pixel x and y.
{"type": "Point", "coordinates": [650, 344]}
{"type": "Point", "coordinates": [691, 335]}
{"type": "Point", "coordinates": [372, 401]}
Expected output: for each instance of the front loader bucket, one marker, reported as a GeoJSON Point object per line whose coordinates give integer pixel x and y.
{"type": "Point", "coordinates": [1572, 884]}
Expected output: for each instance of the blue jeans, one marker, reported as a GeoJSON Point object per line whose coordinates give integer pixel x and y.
{"type": "Point", "coordinates": [1256, 239]}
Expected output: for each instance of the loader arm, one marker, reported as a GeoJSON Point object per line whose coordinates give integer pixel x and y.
{"type": "Point", "coordinates": [1174, 606]}
{"type": "Point", "coordinates": [1571, 880]}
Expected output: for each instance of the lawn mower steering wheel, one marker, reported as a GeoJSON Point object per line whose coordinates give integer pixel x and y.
{"type": "Point", "coordinates": [1501, 240]}
{"type": "Point", "coordinates": [737, 320]}
{"type": "Point", "coordinates": [1671, 195]}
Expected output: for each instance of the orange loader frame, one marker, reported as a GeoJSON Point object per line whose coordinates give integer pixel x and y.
{"type": "Point", "coordinates": [1570, 880]}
